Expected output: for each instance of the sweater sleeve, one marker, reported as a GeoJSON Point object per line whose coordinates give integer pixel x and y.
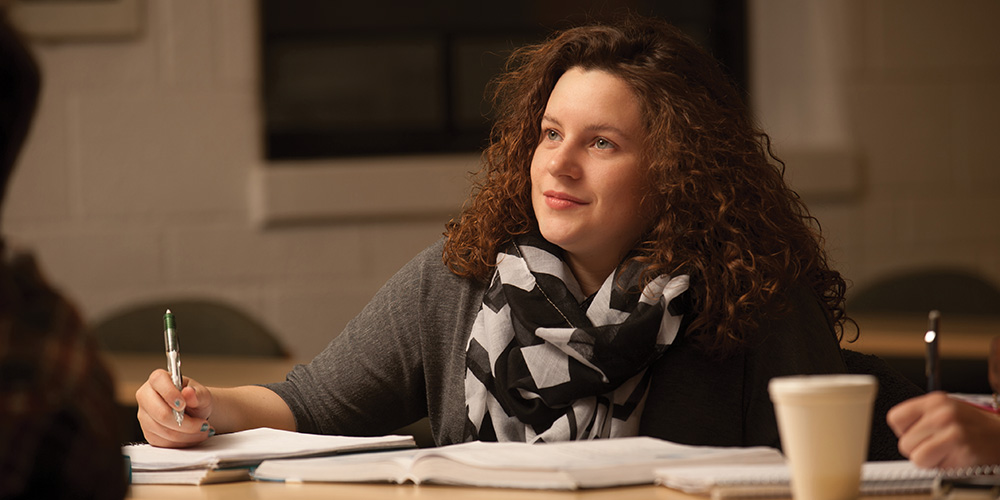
{"type": "Point", "coordinates": [401, 359]}
{"type": "Point", "coordinates": [369, 380]}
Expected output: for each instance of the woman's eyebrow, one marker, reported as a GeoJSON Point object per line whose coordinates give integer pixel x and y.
{"type": "Point", "coordinates": [549, 118]}
{"type": "Point", "coordinates": [594, 127]}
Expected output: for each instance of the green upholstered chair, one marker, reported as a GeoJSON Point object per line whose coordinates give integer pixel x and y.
{"type": "Point", "coordinates": [949, 290]}
{"type": "Point", "coordinates": [205, 326]}
{"type": "Point", "coordinates": [955, 292]}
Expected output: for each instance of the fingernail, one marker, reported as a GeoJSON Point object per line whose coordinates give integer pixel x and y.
{"type": "Point", "coordinates": [204, 427]}
{"type": "Point", "coordinates": [211, 432]}
{"type": "Point", "coordinates": [177, 403]}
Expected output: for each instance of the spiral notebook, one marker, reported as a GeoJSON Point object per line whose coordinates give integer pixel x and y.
{"type": "Point", "coordinates": [772, 480]}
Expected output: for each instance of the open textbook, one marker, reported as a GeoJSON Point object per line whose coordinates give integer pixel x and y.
{"type": "Point", "coordinates": [229, 457]}
{"type": "Point", "coordinates": [564, 465]}
{"type": "Point", "coordinates": [773, 480]}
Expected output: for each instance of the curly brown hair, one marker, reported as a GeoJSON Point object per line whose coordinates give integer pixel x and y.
{"type": "Point", "coordinates": [725, 215]}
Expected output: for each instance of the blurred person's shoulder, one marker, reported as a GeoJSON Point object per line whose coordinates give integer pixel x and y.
{"type": "Point", "coordinates": [58, 417]}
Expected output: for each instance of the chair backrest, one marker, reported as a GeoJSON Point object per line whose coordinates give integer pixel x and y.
{"type": "Point", "coordinates": [893, 388]}
{"type": "Point", "coordinates": [204, 327]}
{"type": "Point", "coordinates": [951, 291]}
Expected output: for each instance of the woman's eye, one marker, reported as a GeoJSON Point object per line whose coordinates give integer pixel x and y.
{"type": "Point", "coordinates": [552, 135]}
{"type": "Point", "coordinates": [602, 143]}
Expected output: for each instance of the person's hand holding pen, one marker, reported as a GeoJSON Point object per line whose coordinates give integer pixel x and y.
{"type": "Point", "coordinates": [158, 398]}
{"type": "Point", "coordinates": [230, 409]}
{"type": "Point", "coordinates": [181, 395]}
{"type": "Point", "coordinates": [935, 430]}
{"type": "Point", "coordinates": [174, 410]}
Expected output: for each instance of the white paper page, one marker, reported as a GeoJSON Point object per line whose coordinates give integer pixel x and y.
{"type": "Point", "coordinates": [596, 453]}
{"type": "Point", "coordinates": [565, 465]}
{"type": "Point", "coordinates": [253, 446]}
{"type": "Point", "coordinates": [374, 466]}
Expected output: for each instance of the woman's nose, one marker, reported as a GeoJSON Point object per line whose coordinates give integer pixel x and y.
{"type": "Point", "coordinates": [565, 162]}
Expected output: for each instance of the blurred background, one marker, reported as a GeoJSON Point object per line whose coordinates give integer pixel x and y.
{"type": "Point", "coordinates": [152, 171]}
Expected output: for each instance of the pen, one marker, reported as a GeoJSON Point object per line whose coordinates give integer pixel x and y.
{"type": "Point", "coordinates": [933, 361]}
{"type": "Point", "coordinates": [994, 370]}
{"type": "Point", "coordinates": [173, 349]}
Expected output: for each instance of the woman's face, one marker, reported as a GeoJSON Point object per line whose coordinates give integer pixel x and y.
{"type": "Point", "coordinates": [587, 174]}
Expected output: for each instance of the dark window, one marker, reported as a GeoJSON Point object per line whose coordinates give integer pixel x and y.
{"type": "Point", "coordinates": [378, 77]}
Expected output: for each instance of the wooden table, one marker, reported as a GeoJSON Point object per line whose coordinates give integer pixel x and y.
{"type": "Point", "coordinates": [132, 370]}
{"type": "Point", "coordinates": [263, 491]}
{"type": "Point", "coordinates": [903, 335]}
{"type": "Point", "coordinates": [888, 335]}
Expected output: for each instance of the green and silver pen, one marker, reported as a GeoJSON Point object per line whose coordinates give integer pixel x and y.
{"type": "Point", "coordinates": [173, 348]}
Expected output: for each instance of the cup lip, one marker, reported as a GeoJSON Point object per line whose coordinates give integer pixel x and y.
{"type": "Point", "coordinates": [822, 384]}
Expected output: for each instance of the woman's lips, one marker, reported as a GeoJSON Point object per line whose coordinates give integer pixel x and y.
{"type": "Point", "coordinates": [558, 200]}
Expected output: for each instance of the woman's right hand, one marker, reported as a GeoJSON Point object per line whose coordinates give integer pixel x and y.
{"type": "Point", "coordinates": [158, 398]}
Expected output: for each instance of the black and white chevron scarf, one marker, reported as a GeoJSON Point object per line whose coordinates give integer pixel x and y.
{"type": "Point", "coordinates": [544, 363]}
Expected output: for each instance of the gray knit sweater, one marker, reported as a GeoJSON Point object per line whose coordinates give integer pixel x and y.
{"type": "Point", "coordinates": [403, 358]}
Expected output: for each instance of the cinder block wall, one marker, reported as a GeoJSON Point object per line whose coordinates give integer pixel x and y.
{"type": "Point", "coordinates": [140, 179]}
{"type": "Point", "coordinates": [886, 112]}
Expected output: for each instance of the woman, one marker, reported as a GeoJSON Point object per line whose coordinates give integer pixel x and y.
{"type": "Point", "coordinates": [631, 263]}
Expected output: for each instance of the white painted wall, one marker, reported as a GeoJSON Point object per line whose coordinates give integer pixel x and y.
{"type": "Point", "coordinates": [143, 176]}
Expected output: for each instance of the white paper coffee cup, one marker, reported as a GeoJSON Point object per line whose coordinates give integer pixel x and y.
{"type": "Point", "coordinates": [824, 422]}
